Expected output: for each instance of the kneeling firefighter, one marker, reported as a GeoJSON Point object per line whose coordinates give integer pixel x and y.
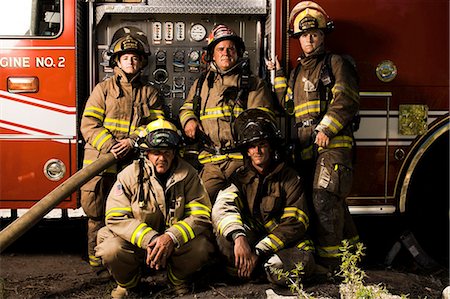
{"type": "Point", "coordinates": [157, 213]}
{"type": "Point", "coordinates": [261, 219]}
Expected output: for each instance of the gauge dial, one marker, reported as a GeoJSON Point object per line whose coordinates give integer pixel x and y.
{"type": "Point", "coordinates": [194, 56]}
{"type": "Point", "coordinates": [198, 32]}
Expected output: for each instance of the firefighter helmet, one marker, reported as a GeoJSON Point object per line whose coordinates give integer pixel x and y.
{"type": "Point", "coordinates": [129, 40]}
{"type": "Point", "coordinates": [219, 33]}
{"type": "Point", "coordinates": [255, 125]}
{"type": "Point", "coordinates": [160, 133]}
{"type": "Point", "coordinates": [308, 15]}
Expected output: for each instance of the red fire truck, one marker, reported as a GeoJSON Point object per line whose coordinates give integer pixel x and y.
{"type": "Point", "coordinates": [53, 52]}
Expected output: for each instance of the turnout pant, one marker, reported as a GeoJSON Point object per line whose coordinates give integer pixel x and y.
{"type": "Point", "coordinates": [93, 201]}
{"type": "Point", "coordinates": [124, 260]}
{"type": "Point", "coordinates": [332, 222]}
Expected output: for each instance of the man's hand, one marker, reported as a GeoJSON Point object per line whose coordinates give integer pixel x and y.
{"type": "Point", "coordinates": [191, 127]}
{"type": "Point", "coordinates": [158, 251]}
{"type": "Point", "coordinates": [273, 66]}
{"type": "Point", "coordinates": [322, 140]}
{"type": "Point", "coordinates": [121, 148]}
{"type": "Point", "coordinates": [245, 259]}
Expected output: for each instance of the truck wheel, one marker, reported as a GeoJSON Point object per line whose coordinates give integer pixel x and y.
{"type": "Point", "coordinates": [427, 207]}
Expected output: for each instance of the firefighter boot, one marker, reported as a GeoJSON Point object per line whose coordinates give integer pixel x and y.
{"type": "Point", "coordinates": [93, 227]}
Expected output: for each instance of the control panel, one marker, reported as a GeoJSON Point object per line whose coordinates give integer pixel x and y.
{"type": "Point", "coordinates": [177, 44]}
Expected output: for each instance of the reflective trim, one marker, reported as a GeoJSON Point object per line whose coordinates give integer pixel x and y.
{"type": "Point", "coordinates": [334, 251]}
{"type": "Point", "coordinates": [95, 261]}
{"type": "Point", "coordinates": [203, 159]}
{"type": "Point", "coordinates": [156, 113]}
{"type": "Point", "coordinates": [328, 251]}
{"type": "Point", "coordinates": [337, 88]}
{"type": "Point", "coordinates": [197, 209]}
{"type": "Point", "coordinates": [307, 108]}
{"type": "Point", "coordinates": [132, 283]}
{"type": "Point", "coordinates": [187, 114]}
{"type": "Point", "coordinates": [113, 124]}
{"type": "Point", "coordinates": [227, 221]}
{"type": "Point", "coordinates": [289, 94]}
{"type": "Point", "coordinates": [119, 212]}
{"type": "Point", "coordinates": [306, 245]}
{"type": "Point", "coordinates": [95, 112]}
{"type": "Point", "coordinates": [280, 83]}
{"type": "Point", "coordinates": [331, 123]}
{"type": "Point", "coordinates": [139, 241]}
{"type": "Point", "coordinates": [101, 138]}
{"type": "Point", "coordinates": [297, 214]}
{"type": "Point", "coordinates": [273, 242]}
{"type": "Point", "coordinates": [271, 225]}
{"type": "Point", "coordinates": [138, 234]}
{"type": "Point", "coordinates": [340, 141]}
{"type": "Point", "coordinates": [218, 112]}
{"type": "Point", "coordinates": [173, 279]}
{"type": "Point", "coordinates": [186, 231]}
{"type": "Point", "coordinates": [272, 114]}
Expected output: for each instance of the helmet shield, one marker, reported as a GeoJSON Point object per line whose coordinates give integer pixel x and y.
{"type": "Point", "coordinates": [160, 134]}
{"type": "Point", "coordinates": [162, 138]}
{"type": "Point", "coordinates": [255, 125]}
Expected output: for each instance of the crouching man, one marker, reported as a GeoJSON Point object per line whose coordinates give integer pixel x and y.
{"type": "Point", "coordinates": [261, 219]}
{"type": "Point", "coordinates": [157, 212]}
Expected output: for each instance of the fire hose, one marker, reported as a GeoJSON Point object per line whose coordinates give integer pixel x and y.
{"type": "Point", "coordinates": [22, 224]}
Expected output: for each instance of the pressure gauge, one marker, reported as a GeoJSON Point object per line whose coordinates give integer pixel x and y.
{"type": "Point", "coordinates": [198, 32]}
{"type": "Point", "coordinates": [194, 56]}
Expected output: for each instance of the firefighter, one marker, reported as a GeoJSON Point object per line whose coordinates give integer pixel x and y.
{"type": "Point", "coordinates": [221, 93]}
{"type": "Point", "coordinates": [158, 211]}
{"type": "Point", "coordinates": [261, 218]}
{"type": "Point", "coordinates": [114, 115]}
{"type": "Point", "coordinates": [323, 95]}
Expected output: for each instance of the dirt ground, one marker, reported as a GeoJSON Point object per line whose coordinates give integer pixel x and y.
{"type": "Point", "coordinates": [48, 262]}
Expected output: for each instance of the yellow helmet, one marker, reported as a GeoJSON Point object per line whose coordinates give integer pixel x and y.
{"type": "Point", "coordinates": [129, 40]}
{"type": "Point", "coordinates": [160, 133]}
{"type": "Point", "coordinates": [308, 15]}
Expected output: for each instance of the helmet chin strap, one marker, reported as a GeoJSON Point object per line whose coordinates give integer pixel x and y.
{"type": "Point", "coordinates": [216, 69]}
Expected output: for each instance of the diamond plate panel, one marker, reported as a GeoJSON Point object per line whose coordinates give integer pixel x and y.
{"type": "Point", "coordinates": [250, 7]}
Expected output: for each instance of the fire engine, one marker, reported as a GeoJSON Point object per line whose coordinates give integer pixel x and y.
{"type": "Point", "coordinates": [53, 52]}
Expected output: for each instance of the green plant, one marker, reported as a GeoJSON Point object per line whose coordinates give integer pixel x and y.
{"type": "Point", "coordinates": [293, 279]}
{"type": "Point", "coordinates": [353, 286]}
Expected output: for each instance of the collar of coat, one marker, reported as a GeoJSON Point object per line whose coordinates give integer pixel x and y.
{"type": "Point", "coordinates": [121, 79]}
{"type": "Point", "coordinates": [178, 171]}
{"type": "Point", "coordinates": [247, 173]}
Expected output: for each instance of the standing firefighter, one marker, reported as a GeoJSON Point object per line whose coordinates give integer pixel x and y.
{"type": "Point", "coordinates": [261, 218]}
{"type": "Point", "coordinates": [322, 93]}
{"type": "Point", "coordinates": [214, 102]}
{"type": "Point", "coordinates": [157, 212]}
{"type": "Point", "coordinates": [115, 113]}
